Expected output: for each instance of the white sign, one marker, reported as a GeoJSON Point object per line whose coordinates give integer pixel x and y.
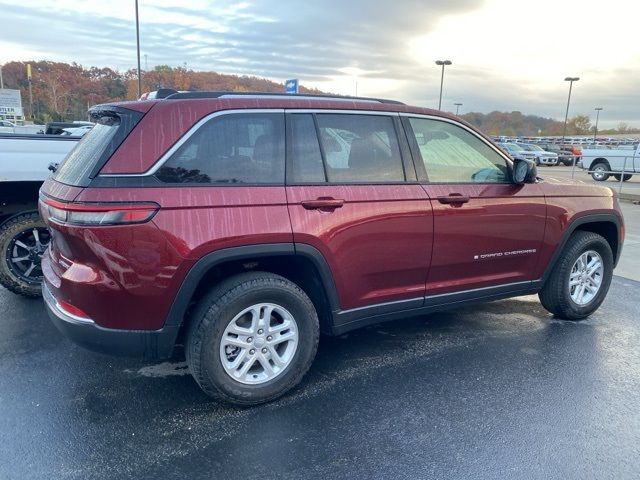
{"type": "Point", "coordinates": [10, 102]}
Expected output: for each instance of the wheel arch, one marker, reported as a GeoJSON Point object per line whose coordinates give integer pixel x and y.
{"type": "Point", "coordinates": [600, 160]}
{"type": "Point", "coordinates": [302, 264]}
{"type": "Point", "coordinates": [606, 225]}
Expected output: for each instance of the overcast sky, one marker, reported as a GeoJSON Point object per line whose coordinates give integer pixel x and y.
{"type": "Point", "coordinates": [507, 54]}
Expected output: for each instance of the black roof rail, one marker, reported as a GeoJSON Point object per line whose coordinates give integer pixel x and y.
{"type": "Point", "coordinates": [187, 95]}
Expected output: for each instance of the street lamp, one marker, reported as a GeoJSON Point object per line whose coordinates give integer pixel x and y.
{"type": "Point", "coordinates": [595, 132]}
{"type": "Point", "coordinates": [138, 49]}
{"type": "Point", "coordinates": [458, 105]}
{"type": "Point", "coordinates": [566, 115]}
{"type": "Point", "coordinates": [442, 63]}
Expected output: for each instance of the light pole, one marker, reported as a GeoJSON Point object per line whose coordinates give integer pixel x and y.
{"type": "Point", "coordinates": [442, 63]}
{"type": "Point", "coordinates": [1, 80]}
{"type": "Point", "coordinates": [138, 49]}
{"type": "Point", "coordinates": [595, 132]}
{"type": "Point", "coordinates": [458, 105]}
{"type": "Point", "coordinates": [566, 115]}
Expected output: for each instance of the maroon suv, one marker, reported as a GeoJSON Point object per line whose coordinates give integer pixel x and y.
{"type": "Point", "coordinates": [243, 225]}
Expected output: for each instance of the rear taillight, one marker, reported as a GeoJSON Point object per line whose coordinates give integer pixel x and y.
{"type": "Point", "coordinates": [88, 213]}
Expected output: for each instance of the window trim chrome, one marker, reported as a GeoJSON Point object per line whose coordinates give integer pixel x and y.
{"type": "Point", "coordinates": [195, 127]}
{"type": "Point", "coordinates": [458, 124]}
{"type": "Point", "coordinates": [182, 140]}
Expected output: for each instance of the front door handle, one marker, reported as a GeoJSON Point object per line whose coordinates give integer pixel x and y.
{"type": "Point", "coordinates": [325, 204]}
{"type": "Point", "coordinates": [453, 198]}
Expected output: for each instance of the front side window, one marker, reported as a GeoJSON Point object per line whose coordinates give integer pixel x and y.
{"type": "Point", "coordinates": [360, 148]}
{"type": "Point", "coordinates": [451, 154]}
{"type": "Point", "coordinates": [230, 149]}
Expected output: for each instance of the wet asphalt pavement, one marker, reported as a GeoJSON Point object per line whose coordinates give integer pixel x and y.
{"type": "Point", "coordinates": [496, 391]}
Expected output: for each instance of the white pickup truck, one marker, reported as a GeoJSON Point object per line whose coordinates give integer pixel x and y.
{"type": "Point", "coordinates": [24, 162]}
{"type": "Point", "coordinates": [603, 163]}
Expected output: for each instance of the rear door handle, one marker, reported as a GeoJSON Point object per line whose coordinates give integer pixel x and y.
{"type": "Point", "coordinates": [327, 204]}
{"type": "Point", "coordinates": [453, 198]}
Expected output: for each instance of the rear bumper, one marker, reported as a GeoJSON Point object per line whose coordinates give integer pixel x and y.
{"type": "Point", "coordinates": [146, 344]}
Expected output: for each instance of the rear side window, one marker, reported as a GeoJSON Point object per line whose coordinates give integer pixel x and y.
{"type": "Point", "coordinates": [453, 155]}
{"type": "Point", "coordinates": [230, 149]}
{"type": "Point", "coordinates": [90, 154]}
{"type": "Point", "coordinates": [360, 148]}
{"type": "Point", "coordinates": [306, 165]}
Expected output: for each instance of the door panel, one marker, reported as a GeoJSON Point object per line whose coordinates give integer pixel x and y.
{"type": "Point", "coordinates": [377, 243]}
{"type": "Point", "coordinates": [488, 231]}
{"type": "Point", "coordinates": [492, 239]}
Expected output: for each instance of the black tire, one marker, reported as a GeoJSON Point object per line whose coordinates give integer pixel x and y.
{"type": "Point", "coordinates": [600, 171]}
{"type": "Point", "coordinates": [219, 307]}
{"type": "Point", "coordinates": [555, 295]}
{"type": "Point", "coordinates": [11, 275]}
{"type": "Point", "coordinates": [625, 179]}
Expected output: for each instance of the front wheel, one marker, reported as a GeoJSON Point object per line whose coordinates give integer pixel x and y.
{"type": "Point", "coordinates": [252, 338]}
{"type": "Point", "coordinates": [580, 279]}
{"type": "Point", "coordinates": [23, 240]}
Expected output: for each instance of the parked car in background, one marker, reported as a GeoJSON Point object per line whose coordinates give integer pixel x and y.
{"type": "Point", "coordinates": [57, 128]}
{"type": "Point", "coordinates": [565, 157]}
{"type": "Point", "coordinates": [516, 151]}
{"type": "Point", "coordinates": [576, 151]}
{"type": "Point", "coordinates": [542, 157]}
{"type": "Point", "coordinates": [24, 162]}
{"type": "Point", "coordinates": [241, 225]}
{"type": "Point", "coordinates": [603, 163]}
{"type": "Point", "coordinates": [78, 131]}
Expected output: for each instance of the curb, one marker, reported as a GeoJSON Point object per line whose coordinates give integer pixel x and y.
{"type": "Point", "coordinates": [629, 197]}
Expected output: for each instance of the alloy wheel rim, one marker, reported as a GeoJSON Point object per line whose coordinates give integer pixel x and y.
{"type": "Point", "coordinates": [599, 172]}
{"type": "Point", "coordinates": [259, 343]}
{"type": "Point", "coordinates": [24, 254]}
{"type": "Point", "coordinates": [586, 277]}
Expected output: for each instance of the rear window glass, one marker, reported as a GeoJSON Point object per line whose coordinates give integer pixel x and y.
{"type": "Point", "coordinates": [96, 146]}
{"type": "Point", "coordinates": [230, 149]}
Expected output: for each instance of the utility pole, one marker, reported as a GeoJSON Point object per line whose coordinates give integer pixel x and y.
{"type": "Point", "coordinates": [1, 80]}
{"type": "Point", "coordinates": [138, 50]}
{"type": "Point", "coordinates": [30, 90]}
{"type": "Point", "coordinates": [566, 115]}
{"type": "Point", "coordinates": [458, 105]}
{"type": "Point", "coordinates": [443, 63]}
{"type": "Point", "coordinates": [595, 132]}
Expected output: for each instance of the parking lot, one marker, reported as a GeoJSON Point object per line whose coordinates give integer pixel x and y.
{"type": "Point", "coordinates": [497, 391]}
{"type": "Point", "coordinates": [632, 186]}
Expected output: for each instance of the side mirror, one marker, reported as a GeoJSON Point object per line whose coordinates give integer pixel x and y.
{"type": "Point", "coordinates": [524, 171]}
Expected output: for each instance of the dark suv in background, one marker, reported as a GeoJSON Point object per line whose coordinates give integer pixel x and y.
{"type": "Point", "coordinates": [243, 225]}
{"type": "Point", "coordinates": [565, 156]}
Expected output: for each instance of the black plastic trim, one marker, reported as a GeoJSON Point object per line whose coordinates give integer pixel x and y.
{"type": "Point", "coordinates": [202, 266]}
{"type": "Point", "coordinates": [583, 220]}
{"type": "Point", "coordinates": [146, 344]}
{"type": "Point", "coordinates": [361, 317]}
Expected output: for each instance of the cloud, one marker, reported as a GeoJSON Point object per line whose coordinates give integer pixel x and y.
{"type": "Point", "coordinates": [499, 64]}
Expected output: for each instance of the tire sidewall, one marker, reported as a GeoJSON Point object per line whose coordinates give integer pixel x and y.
{"type": "Point", "coordinates": [600, 246]}
{"type": "Point", "coordinates": [9, 230]}
{"type": "Point", "coordinates": [306, 320]}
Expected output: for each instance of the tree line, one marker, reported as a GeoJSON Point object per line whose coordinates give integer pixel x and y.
{"type": "Point", "coordinates": [63, 91]}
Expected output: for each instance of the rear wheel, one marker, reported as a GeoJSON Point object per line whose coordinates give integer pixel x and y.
{"type": "Point", "coordinates": [600, 172]}
{"type": "Point", "coordinates": [23, 240]}
{"type": "Point", "coordinates": [252, 338]}
{"type": "Point", "coordinates": [626, 177]}
{"type": "Point", "coordinates": [580, 280]}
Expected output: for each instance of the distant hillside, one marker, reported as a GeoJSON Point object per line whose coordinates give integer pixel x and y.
{"type": "Point", "coordinates": [516, 124]}
{"type": "Point", "coordinates": [62, 91]}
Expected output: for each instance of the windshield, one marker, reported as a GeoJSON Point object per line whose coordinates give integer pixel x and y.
{"type": "Point", "coordinates": [512, 147]}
